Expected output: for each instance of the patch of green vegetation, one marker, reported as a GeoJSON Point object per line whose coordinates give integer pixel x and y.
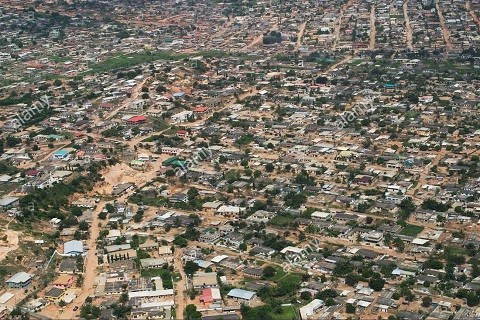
{"type": "Point", "coordinates": [6, 168]}
{"type": "Point", "coordinates": [412, 114]}
{"type": "Point", "coordinates": [6, 82]}
{"type": "Point", "coordinates": [26, 99]}
{"type": "Point", "coordinates": [171, 131]}
{"type": "Point", "coordinates": [134, 59]}
{"type": "Point", "coordinates": [288, 313]}
{"type": "Point", "coordinates": [355, 62]}
{"type": "Point", "coordinates": [4, 271]}
{"type": "Point", "coordinates": [282, 220]}
{"type": "Point", "coordinates": [147, 200]}
{"type": "Point", "coordinates": [411, 230]}
{"type": "Point", "coordinates": [59, 58]}
{"type": "Point", "coordinates": [131, 60]}
{"type": "Point", "coordinates": [453, 250]}
{"type": "Point", "coordinates": [176, 276]}
{"type": "Point", "coordinates": [163, 273]}
{"type": "Point", "coordinates": [245, 140]}
{"type": "Point", "coordinates": [9, 187]}
{"type": "Point", "coordinates": [159, 125]}
{"type": "Point", "coordinates": [279, 274]}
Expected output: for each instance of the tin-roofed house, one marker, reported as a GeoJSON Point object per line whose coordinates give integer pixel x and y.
{"type": "Point", "coordinates": [20, 280]}
{"type": "Point", "coordinates": [73, 248]}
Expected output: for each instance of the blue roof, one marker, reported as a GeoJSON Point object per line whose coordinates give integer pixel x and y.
{"type": "Point", "coordinates": [73, 247]}
{"type": "Point", "coordinates": [62, 152]}
{"type": "Point", "coordinates": [55, 136]}
{"type": "Point", "coordinates": [241, 294]}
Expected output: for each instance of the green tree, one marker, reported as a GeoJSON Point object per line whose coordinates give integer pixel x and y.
{"type": "Point", "coordinates": [376, 282]}
{"type": "Point", "coordinates": [191, 313]}
{"type": "Point", "coordinates": [269, 271]}
{"type": "Point", "coordinates": [350, 308]}
{"type": "Point", "coordinates": [426, 302]}
{"type": "Point", "coordinates": [190, 267]}
{"type": "Point", "coordinates": [305, 295]}
{"type": "Point", "coordinates": [269, 167]}
{"type": "Point", "coordinates": [83, 226]}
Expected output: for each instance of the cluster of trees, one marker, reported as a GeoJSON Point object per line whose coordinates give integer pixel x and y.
{"type": "Point", "coordinates": [431, 204]}
{"type": "Point", "coordinates": [191, 313]}
{"type": "Point", "coordinates": [190, 232]}
{"type": "Point", "coordinates": [472, 297]}
{"type": "Point", "coordinates": [363, 273]}
{"type": "Point", "coordinates": [53, 202]}
{"type": "Point", "coordinates": [113, 132]}
{"type": "Point", "coordinates": [5, 168]}
{"type": "Point", "coordinates": [89, 311]}
{"type": "Point", "coordinates": [294, 199]}
{"type": "Point", "coordinates": [165, 272]}
{"type": "Point", "coordinates": [272, 37]}
{"type": "Point", "coordinates": [304, 178]}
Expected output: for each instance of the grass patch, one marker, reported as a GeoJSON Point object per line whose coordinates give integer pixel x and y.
{"type": "Point", "coordinates": [165, 274]}
{"type": "Point", "coordinates": [131, 60]}
{"type": "Point", "coordinates": [288, 313]}
{"type": "Point", "coordinates": [134, 59]}
{"type": "Point", "coordinates": [148, 200]}
{"type": "Point", "coordinates": [411, 230]}
{"type": "Point", "coordinates": [60, 59]}
{"type": "Point", "coordinates": [282, 221]}
{"type": "Point", "coordinates": [9, 187]}
{"type": "Point", "coordinates": [176, 276]}
{"type": "Point", "coordinates": [279, 274]}
{"type": "Point", "coordinates": [171, 131]}
{"type": "Point", "coordinates": [455, 250]}
{"type": "Point", "coordinates": [412, 114]}
{"type": "Point", "coordinates": [292, 277]}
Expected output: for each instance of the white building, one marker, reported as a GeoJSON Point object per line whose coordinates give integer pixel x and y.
{"type": "Point", "coordinates": [309, 310]}
{"type": "Point", "coordinates": [182, 116]}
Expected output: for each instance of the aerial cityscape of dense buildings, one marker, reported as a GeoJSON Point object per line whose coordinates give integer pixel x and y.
{"type": "Point", "coordinates": [257, 160]}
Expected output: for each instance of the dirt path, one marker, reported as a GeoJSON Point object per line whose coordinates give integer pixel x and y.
{"type": "Point", "coordinates": [468, 6]}
{"type": "Point", "coordinates": [180, 286]}
{"type": "Point", "coordinates": [408, 26]}
{"type": "Point", "coordinates": [258, 39]}
{"type": "Point", "coordinates": [251, 92]}
{"type": "Point", "coordinates": [301, 31]}
{"type": "Point", "coordinates": [135, 94]}
{"type": "Point", "coordinates": [445, 31]}
{"type": "Point", "coordinates": [425, 172]}
{"type": "Point", "coordinates": [52, 152]}
{"type": "Point", "coordinates": [90, 267]}
{"type": "Point", "coordinates": [338, 24]}
{"type": "Point", "coordinates": [254, 42]}
{"type": "Point", "coordinates": [339, 63]}
{"type": "Point", "coordinates": [11, 241]}
{"type": "Point", "coordinates": [373, 29]}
